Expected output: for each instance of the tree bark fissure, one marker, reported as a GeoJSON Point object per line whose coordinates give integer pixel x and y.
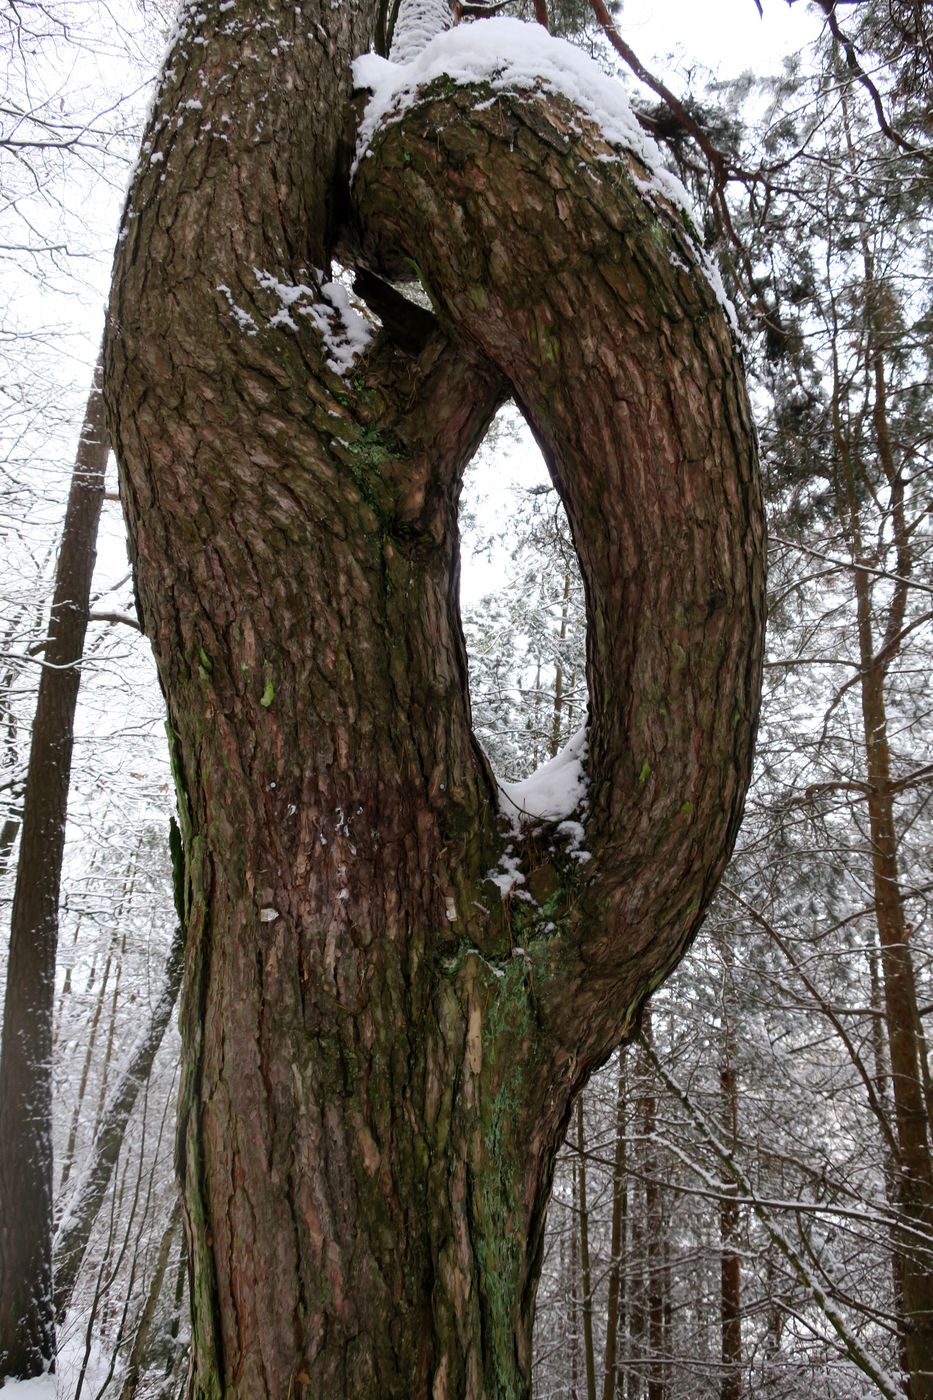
{"type": "Point", "coordinates": [380, 1053]}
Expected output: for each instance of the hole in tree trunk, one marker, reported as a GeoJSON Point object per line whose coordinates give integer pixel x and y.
{"type": "Point", "coordinates": [522, 604]}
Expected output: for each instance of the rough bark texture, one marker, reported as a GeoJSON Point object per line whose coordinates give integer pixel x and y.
{"type": "Point", "coordinates": [27, 1324]}
{"type": "Point", "coordinates": [376, 1080]}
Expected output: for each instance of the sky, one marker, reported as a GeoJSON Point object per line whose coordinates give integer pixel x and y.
{"type": "Point", "coordinates": [728, 36]}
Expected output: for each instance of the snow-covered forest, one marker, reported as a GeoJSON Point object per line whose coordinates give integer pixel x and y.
{"type": "Point", "coordinates": [743, 1205]}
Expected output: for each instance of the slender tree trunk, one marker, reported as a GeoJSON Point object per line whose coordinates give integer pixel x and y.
{"type": "Point", "coordinates": [882, 1079]}
{"type": "Point", "coordinates": [586, 1273]}
{"type": "Point", "coordinates": [637, 1349]}
{"type": "Point", "coordinates": [879, 639]}
{"type": "Point", "coordinates": [141, 1337]}
{"type": "Point", "coordinates": [904, 1036]}
{"type": "Point", "coordinates": [731, 1264]}
{"type": "Point", "coordinates": [74, 1230]}
{"type": "Point", "coordinates": [915, 1176]}
{"type": "Point", "coordinates": [27, 1330]}
{"type": "Point", "coordinates": [615, 1307]}
{"type": "Point", "coordinates": [374, 1087]}
{"type": "Point", "coordinates": [575, 1292]}
{"type": "Point", "coordinates": [654, 1234]}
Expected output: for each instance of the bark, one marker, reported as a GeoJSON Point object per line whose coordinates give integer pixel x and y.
{"type": "Point", "coordinates": [375, 1078]}
{"type": "Point", "coordinates": [27, 1332]}
{"type": "Point", "coordinates": [882, 1078]}
{"type": "Point", "coordinates": [575, 1292]}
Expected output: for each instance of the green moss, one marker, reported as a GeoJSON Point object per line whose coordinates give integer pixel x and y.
{"type": "Point", "coordinates": [181, 790]}
{"type": "Point", "coordinates": [691, 227]}
{"type": "Point", "coordinates": [644, 774]}
{"type": "Point", "coordinates": [369, 447]}
{"type": "Point", "coordinates": [268, 694]}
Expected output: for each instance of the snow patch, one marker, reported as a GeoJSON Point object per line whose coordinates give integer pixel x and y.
{"type": "Point", "coordinates": [511, 56]}
{"type": "Point", "coordinates": [553, 792]}
{"type": "Point", "coordinates": [507, 875]}
{"type": "Point", "coordinates": [243, 319]}
{"type": "Point", "coordinates": [39, 1388]}
{"type": "Point", "coordinates": [345, 332]}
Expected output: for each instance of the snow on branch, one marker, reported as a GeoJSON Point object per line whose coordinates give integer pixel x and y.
{"type": "Point", "coordinates": [509, 56]}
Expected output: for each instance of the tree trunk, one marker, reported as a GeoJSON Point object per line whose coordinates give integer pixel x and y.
{"type": "Point", "coordinates": [654, 1231]}
{"type": "Point", "coordinates": [586, 1273]}
{"type": "Point", "coordinates": [141, 1337]}
{"type": "Point", "coordinates": [730, 1260]}
{"type": "Point", "coordinates": [615, 1307]}
{"type": "Point", "coordinates": [74, 1230]}
{"type": "Point", "coordinates": [380, 1053]}
{"type": "Point", "coordinates": [882, 1079]}
{"type": "Point", "coordinates": [901, 1017]}
{"type": "Point", "coordinates": [27, 1327]}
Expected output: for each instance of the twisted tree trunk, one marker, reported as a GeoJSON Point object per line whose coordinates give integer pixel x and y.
{"type": "Point", "coordinates": [380, 1051]}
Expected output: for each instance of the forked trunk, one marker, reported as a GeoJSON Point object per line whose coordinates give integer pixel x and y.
{"type": "Point", "coordinates": [382, 1044]}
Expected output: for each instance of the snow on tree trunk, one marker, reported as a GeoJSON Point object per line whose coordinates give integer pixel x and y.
{"type": "Point", "coordinates": [418, 22]}
{"type": "Point", "coordinates": [380, 1050]}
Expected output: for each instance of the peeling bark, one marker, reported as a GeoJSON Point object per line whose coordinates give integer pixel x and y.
{"type": "Point", "coordinates": [376, 1080]}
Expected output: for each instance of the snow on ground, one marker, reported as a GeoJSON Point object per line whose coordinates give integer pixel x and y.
{"type": "Point", "coordinates": [41, 1388]}
{"type": "Point", "coordinates": [511, 56]}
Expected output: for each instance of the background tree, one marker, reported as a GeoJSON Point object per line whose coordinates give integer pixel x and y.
{"type": "Point", "coordinates": [26, 1316]}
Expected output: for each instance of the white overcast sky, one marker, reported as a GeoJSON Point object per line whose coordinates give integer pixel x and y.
{"type": "Point", "coordinates": [728, 36]}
